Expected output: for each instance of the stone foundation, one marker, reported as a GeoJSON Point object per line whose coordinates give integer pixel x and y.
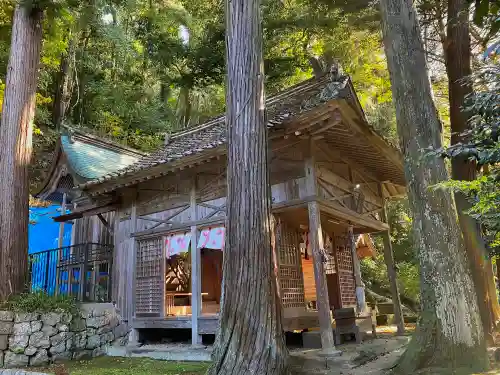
{"type": "Point", "coordinates": [32, 339]}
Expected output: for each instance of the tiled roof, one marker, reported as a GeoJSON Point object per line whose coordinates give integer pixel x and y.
{"type": "Point", "coordinates": [92, 158]}
{"type": "Point", "coordinates": [212, 134]}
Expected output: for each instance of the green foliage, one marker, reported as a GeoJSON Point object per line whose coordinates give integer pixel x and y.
{"type": "Point", "coordinates": [481, 145]}
{"type": "Point", "coordinates": [484, 194]}
{"type": "Point", "coordinates": [138, 68]}
{"type": "Point", "coordinates": [40, 302]}
{"type": "Point", "coordinates": [487, 11]}
{"type": "Point", "coordinates": [374, 271]}
{"type": "Point", "coordinates": [374, 274]}
{"type": "Point", "coordinates": [398, 215]}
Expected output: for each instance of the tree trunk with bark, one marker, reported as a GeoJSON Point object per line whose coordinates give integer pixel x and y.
{"type": "Point", "coordinates": [64, 87]}
{"type": "Point", "coordinates": [15, 148]}
{"type": "Point", "coordinates": [457, 50]}
{"type": "Point", "coordinates": [250, 339]}
{"type": "Point", "coordinates": [450, 333]}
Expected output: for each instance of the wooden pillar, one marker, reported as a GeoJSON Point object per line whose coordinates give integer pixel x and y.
{"type": "Point", "coordinates": [73, 228]}
{"type": "Point", "coordinates": [133, 338]}
{"type": "Point", "coordinates": [360, 287]}
{"type": "Point", "coordinates": [195, 271]}
{"type": "Point", "coordinates": [317, 247]}
{"type": "Point", "coordinates": [391, 271]}
{"type": "Point", "coordinates": [60, 244]}
{"type": "Point", "coordinates": [115, 275]}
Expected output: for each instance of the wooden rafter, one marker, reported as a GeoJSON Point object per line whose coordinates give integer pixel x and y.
{"type": "Point", "coordinates": [335, 156]}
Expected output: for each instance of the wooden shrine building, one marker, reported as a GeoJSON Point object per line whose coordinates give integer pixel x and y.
{"type": "Point", "coordinates": [330, 174]}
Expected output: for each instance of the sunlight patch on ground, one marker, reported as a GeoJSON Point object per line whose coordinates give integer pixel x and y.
{"type": "Point", "coordinates": [409, 327]}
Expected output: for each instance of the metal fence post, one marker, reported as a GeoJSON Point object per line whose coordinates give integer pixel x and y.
{"type": "Point", "coordinates": [46, 282]}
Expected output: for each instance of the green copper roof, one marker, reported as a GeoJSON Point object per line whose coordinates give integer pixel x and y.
{"type": "Point", "coordinates": [91, 160]}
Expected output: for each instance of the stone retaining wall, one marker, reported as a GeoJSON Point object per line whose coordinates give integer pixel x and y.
{"type": "Point", "coordinates": [31, 339]}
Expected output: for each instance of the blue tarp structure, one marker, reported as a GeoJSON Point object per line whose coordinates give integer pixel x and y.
{"type": "Point", "coordinates": [43, 234]}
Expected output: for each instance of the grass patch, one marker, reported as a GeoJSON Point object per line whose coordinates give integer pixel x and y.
{"type": "Point", "coordinates": [39, 302]}
{"type": "Point", "coordinates": [129, 366]}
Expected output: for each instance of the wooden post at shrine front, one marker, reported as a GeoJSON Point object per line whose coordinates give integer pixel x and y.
{"type": "Point", "coordinates": [360, 287]}
{"type": "Point", "coordinates": [317, 247]}
{"type": "Point", "coordinates": [391, 271]}
{"type": "Point", "coordinates": [133, 337]}
{"type": "Point", "coordinates": [60, 252]}
{"type": "Point", "coordinates": [195, 271]}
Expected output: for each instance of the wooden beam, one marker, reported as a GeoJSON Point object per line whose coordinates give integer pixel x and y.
{"type": "Point", "coordinates": [351, 216]}
{"type": "Point", "coordinates": [105, 223]}
{"type": "Point", "coordinates": [391, 272]}
{"type": "Point", "coordinates": [178, 227]}
{"type": "Point", "coordinates": [90, 211]}
{"type": "Point", "coordinates": [317, 246]}
{"type": "Point", "coordinates": [333, 197]}
{"type": "Point", "coordinates": [337, 181]}
{"type": "Point", "coordinates": [195, 270]}
{"type": "Point", "coordinates": [166, 220]}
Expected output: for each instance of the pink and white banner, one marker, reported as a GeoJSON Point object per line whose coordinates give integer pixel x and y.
{"type": "Point", "coordinates": [212, 238]}
{"type": "Point", "coordinates": [177, 243]}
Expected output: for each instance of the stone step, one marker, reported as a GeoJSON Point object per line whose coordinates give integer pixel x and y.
{"type": "Point", "coordinates": [165, 352]}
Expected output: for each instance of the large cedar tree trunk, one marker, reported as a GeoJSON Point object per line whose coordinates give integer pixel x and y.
{"type": "Point", "coordinates": [250, 339]}
{"type": "Point", "coordinates": [457, 50]}
{"type": "Point", "coordinates": [450, 332]}
{"type": "Point", "coordinates": [15, 148]}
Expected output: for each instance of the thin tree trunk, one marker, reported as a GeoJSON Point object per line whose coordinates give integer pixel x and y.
{"type": "Point", "coordinates": [250, 339]}
{"type": "Point", "coordinates": [184, 107]}
{"type": "Point", "coordinates": [15, 148]}
{"type": "Point", "coordinates": [64, 87]}
{"type": "Point", "coordinates": [457, 50]}
{"type": "Point", "coordinates": [450, 332]}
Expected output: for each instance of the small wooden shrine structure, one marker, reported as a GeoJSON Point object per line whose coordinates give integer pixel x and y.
{"type": "Point", "coordinates": [78, 158]}
{"type": "Point", "coordinates": [330, 174]}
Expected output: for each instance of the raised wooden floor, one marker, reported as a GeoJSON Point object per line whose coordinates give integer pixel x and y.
{"type": "Point", "coordinates": [206, 324]}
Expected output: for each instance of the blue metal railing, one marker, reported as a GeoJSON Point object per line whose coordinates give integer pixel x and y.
{"type": "Point", "coordinates": [82, 271]}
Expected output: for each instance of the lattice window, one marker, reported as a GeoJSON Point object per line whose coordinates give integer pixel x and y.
{"type": "Point", "coordinates": [329, 265]}
{"type": "Point", "coordinates": [346, 272]}
{"type": "Point", "coordinates": [149, 277]}
{"type": "Point", "coordinates": [290, 266]}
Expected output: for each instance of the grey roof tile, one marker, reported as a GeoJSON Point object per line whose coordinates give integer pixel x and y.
{"type": "Point", "coordinates": [279, 109]}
